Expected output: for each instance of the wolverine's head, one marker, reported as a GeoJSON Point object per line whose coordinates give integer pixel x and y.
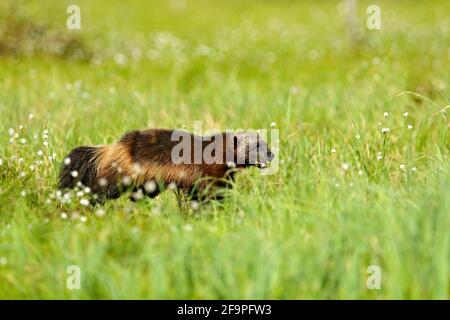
{"type": "Point", "coordinates": [250, 149]}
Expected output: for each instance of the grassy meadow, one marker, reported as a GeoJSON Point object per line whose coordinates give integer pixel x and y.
{"type": "Point", "coordinates": [363, 176]}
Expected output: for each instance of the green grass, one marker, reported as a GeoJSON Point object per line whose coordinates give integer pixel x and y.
{"type": "Point", "coordinates": [309, 231]}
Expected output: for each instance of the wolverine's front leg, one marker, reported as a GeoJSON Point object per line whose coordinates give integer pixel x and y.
{"type": "Point", "coordinates": [150, 189]}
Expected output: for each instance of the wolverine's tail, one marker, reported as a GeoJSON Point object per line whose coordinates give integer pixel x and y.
{"type": "Point", "coordinates": [80, 165]}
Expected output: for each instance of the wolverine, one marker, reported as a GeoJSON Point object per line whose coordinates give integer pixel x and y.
{"type": "Point", "coordinates": [148, 161]}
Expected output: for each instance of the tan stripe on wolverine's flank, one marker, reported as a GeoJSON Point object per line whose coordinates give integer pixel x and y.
{"type": "Point", "coordinates": [116, 158]}
{"type": "Point", "coordinates": [183, 175]}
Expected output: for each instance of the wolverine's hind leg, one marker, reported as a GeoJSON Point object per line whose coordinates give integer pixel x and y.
{"type": "Point", "coordinates": [105, 192]}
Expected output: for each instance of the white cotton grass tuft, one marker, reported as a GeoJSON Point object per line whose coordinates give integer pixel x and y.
{"type": "Point", "coordinates": [84, 202]}
{"type": "Point", "coordinates": [413, 169]}
{"type": "Point", "coordinates": [194, 204]}
{"type": "Point", "coordinates": [150, 186]}
{"type": "Point", "coordinates": [295, 90]}
{"type": "Point", "coordinates": [1, 162]}
{"type": "Point", "coordinates": [75, 216]}
{"type": "Point", "coordinates": [126, 181]}
{"type": "Point", "coordinates": [136, 169]}
{"type": "Point", "coordinates": [379, 156]}
{"type": "Point", "coordinates": [385, 115]}
{"type": "Point", "coordinates": [63, 198]}
{"type": "Point", "coordinates": [402, 166]}
{"type": "Point", "coordinates": [100, 213]}
{"type": "Point", "coordinates": [23, 193]}
{"type": "Point", "coordinates": [333, 150]}
{"type": "Point", "coordinates": [138, 195]}
{"type": "Point", "coordinates": [360, 172]}
{"type": "Point", "coordinates": [74, 173]}
{"type": "Point", "coordinates": [410, 126]}
{"type": "Point", "coordinates": [231, 164]}
{"type": "Point", "coordinates": [83, 219]}
{"type": "Point", "coordinates": [63, 215]}
{"type": "Point", "coordinates": [405, 115]}
{"type": "Point", "coordinates": [40, 153]}
{"type": "Point", "coordinates": [120, 58]}
{"type": "Point", "coordinates": [273, 124]}
{"type": "Point", "coordinates": [346, 166]}
{"type": "Point", "coordinates": [30, 116]}
{"type": "Point", "coordinates": [172, 185]}
{"type": "Point", "coordinates": [156, 210]}
{"type": "Point", "coordinates": [11, 132]}
{"type": "Point", "coordinates": [102, 182]}
{"type": "Point", "coordinates": [67, 161]}
{"type": "Point", "coordinates": [385, 130]}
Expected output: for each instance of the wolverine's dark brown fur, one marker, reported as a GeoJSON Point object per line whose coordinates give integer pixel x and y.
{"type": "Point", "coordinates": [140, 157]}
